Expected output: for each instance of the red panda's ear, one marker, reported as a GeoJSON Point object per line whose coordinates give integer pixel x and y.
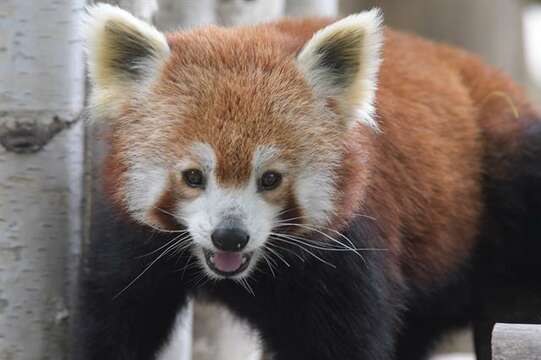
{"type": "Point", "coordinates": [342, 61]}
{"type": "Point", "coordinates": [123, 54]}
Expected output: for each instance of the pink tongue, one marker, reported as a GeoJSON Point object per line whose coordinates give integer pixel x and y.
{"type": "Point", "coordinates": [227, 261]}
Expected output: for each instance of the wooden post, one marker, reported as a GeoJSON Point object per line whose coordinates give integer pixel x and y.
{"type": "Point", "coordinates": [516, 342]}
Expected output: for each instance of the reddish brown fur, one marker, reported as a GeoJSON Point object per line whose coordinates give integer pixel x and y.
{"type": "Point", "coordinates": [235, 68]}
{"type": "Point", "coordinates": [421, 179]}
{"type": "Point", "coordinates": [164, 209]}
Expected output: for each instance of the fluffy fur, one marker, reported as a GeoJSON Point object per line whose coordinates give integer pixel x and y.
{"type": "Point", "coordinates": [373, 243]}
{"type": "Point", "coordinates": [342, 61]}
{"type": "Point", "coordinates": [123, 53]}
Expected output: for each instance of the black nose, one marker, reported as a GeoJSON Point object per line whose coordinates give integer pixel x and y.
{"type": "Point", "coordinates": [230, 239]}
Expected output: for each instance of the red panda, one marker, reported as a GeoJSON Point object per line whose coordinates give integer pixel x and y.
{"type": "Point", "coordinates": [338, 185]}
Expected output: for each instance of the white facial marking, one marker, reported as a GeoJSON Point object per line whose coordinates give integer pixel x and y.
{"type": "Point", "coordinates": [315, 189]}
{"type": "Point", "coordinates": [264, 155]}
{"type": "Point", "coordinates": [216, 203]}
{"type": "Point", "coordinates": [205, 154]}
{"type": "Point", "coordinates": [144, 187]}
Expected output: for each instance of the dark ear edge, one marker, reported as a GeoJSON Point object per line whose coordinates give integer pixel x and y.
{"type": "Point", "coordinates": [339, 57]}
{"type": "Point", "coordinates": [129, 49]}
{"type": "Point", "coordinates": [123, 54]}
{"type": "Point", "coordinates": [342, 61]}
{"type": "Point", "coordinates": [120, 46]}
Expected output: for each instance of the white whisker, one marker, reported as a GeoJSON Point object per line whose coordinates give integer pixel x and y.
{"type": "Point", "coordinates": [164, 211]}
{"type": "Point", "coordinates": [167, 243]}
{"type": "Point", "coordinates": [274, 236]}
{"type": "Point", "coordinates": [244, 283]}
{"type": "Point", "coordinates": [269, 265]}
{"type": "Point", "coordinates": [166, 230]}
{"type": "Point", "coordinates": [145, 270]}
{"type": "Point", "coordinates": [278, 256]}
{"type": "Point", "coordinates": [278, 247]}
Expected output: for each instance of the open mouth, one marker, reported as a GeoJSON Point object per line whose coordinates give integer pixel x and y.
{"type": "Point", "coordinates": [227, 263]}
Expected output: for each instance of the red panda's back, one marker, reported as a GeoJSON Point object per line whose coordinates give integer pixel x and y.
{"type": "Point", "coordinates": [445, 118]}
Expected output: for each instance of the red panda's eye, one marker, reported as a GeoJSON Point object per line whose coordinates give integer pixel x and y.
{"type": "Point", "coordinates": [194, 178]}
{"type": "Point", "coordinates": [270, 180]}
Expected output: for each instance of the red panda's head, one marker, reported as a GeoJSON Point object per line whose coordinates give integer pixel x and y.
{"type": "Point", "coordinates": [233, 133]}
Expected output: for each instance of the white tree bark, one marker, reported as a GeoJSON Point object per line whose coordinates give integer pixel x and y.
{"type": "Point", "coordinates": [312, 8]}
{"type": "Point", "coordinates": [184, 14]}
{"type": "Point", "coordinates": [41, 94]}
{"type": "Point", "coordinates": [242, 12]}
{"type": "Point", "coordinates": [144, 9]}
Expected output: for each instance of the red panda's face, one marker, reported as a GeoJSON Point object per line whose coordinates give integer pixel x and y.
{"type": "Point", "coordinates": [226, 135]}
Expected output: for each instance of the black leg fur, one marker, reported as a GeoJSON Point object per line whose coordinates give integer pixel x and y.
{"type": "Point", "coordinates": [509, 263]}
{"type": "Point", "coordinates": [430, 314]}
{"type": "Point", "coordinates": [311, 310]}
{"type": "Point", "coordinates": [316, 311]}
{"type": "Point", "coordinates": [132, 324]}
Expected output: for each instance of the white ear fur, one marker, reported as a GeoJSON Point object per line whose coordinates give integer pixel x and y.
{"type": "Point", "coordinates": [122, 51]}
{"type": "Point", "coordinates": [342, 61]}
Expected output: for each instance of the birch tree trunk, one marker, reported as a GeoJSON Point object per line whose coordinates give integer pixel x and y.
{"type": "Point", "coordinates": [312, 8]}
{"type": "Point", "coordinates": [176, 14]}
{"type": "Point", "coordinates": [41, 169]}
{"type": "Point", "coordinates": [143, 9]}
{"type": "Point", "coordinates": [242, 12]}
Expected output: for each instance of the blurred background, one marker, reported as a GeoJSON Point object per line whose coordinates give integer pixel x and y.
{"type": "Point", "coordinates": [48, 159]}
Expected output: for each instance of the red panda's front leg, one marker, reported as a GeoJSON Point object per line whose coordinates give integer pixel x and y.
{"type": "Point", "coordinates": [343, 315]}
{"type": "Point", "coordinates": [125, 312]}
{"type": "Point", "coordinates": [134, 329]}
{"type": "Point", "coordinates": [318, 312]}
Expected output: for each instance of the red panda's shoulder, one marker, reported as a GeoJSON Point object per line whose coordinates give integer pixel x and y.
{"type": "Point", "coordinates": [496, 98]}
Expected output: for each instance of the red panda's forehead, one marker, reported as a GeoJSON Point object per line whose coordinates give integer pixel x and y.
{"type": "Point", "coordinates": [236, 95]}
{"type": "Point", "coordinates": [237, 47]}
{"type": "Point", "coordinates": [236, 120]}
